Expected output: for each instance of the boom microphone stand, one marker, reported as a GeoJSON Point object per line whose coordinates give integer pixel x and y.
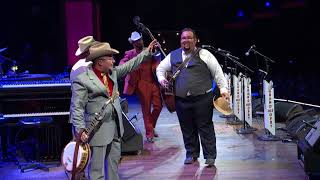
{"type": "Point", "coordinates": [268, 136]}
{"type": "Point", "coordinates": [246, 127]}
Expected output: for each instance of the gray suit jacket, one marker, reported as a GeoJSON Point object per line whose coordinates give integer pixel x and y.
{"type": "Point", "coordinates": [89, 95]}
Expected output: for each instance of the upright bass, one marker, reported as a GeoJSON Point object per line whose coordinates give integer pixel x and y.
{"type": "Point", "coordinates": [167, 94]}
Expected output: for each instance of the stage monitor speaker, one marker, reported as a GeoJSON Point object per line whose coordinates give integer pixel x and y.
{"type": "Point", "coordinates": [285, 110]}
{"type": "Point", "coordinates": [298, 127]}
{"type": "Point", "coordinates": [129, 129]}
{"type": "Point", "coordinates": [132, 139]}
{"type": "Point", "coordinates": [313, 136]}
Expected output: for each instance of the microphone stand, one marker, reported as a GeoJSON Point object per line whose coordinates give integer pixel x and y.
{"type": "Point", "coordinates": [231, 119]}
{"type": "Point", "coordinates": [267, 136]}
{"type": "Point", "coordinates": [228, 71]}
{"type": "Point", "coordinates": [246, 129]}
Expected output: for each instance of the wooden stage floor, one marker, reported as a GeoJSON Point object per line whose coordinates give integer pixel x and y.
{"type": "Point", "coordinates": [238, 157]}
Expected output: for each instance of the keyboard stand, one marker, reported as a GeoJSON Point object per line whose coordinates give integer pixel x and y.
{"type": "Point", "coordinates": [37, 124]}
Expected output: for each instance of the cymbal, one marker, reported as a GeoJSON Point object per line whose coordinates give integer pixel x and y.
{"type": "Point", "coordinates": [222, 106]}
{"type": "Point", "coordinates": [3, 49]}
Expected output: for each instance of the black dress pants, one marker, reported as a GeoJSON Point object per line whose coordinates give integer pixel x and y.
{"type": "Point", "coordinates": [195, 118]}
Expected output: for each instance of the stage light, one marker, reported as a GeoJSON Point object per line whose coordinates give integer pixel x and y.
{"type": "Point", "coordinates": [267, 4]}
{"type": "Point", "coordinates": [240, 13]}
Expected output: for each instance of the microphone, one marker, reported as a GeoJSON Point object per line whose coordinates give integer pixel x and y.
{"type": "Point", "coordinates": [206, 46]}
{"type": "Point", "coordinates": [140, 26]}
{"type": "Point", "coordinates": [223, 51]}
{"type": "Point", "coordinates": [248, 52]}
{"type": "Point", "coordinates": [136, 20]}
{"type": "Point", "coordinates": [210, 47]}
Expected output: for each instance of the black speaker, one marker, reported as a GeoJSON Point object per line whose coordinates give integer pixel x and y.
{"type": "Point", "coordinates": [132, 139]}
{"type": "Point", "coordinates": [129, 129]}
{"type": "Point", "coordinates": [297, 127]}
{"type": "Point", "coordinates": [309, 151]}
{"type": "Point", "coordinates": [285, 110]}
{"type": "Point", "coordinates": [313, 136]}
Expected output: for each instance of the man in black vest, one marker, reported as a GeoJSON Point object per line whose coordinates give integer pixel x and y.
{"type": "Point", "coordinates": [193, 95]}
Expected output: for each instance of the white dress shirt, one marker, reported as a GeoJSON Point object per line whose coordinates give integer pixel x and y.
{"type": "Point", "coordinates": [205, 56]}
{"type": "Point", "coordinates": [78, 68]}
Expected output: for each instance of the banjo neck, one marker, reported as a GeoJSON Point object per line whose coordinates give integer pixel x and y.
{"type": "Point", "coordinates": [99, 116]}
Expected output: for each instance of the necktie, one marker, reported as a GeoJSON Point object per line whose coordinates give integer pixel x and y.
{"type": "Point", "coordinates": [105, 82]}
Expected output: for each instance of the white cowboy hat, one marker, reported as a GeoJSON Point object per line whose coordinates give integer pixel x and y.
{"type": "Point", "coordinates": [84, 44]}
{"type": "Point", "coordinates": [100, 49]}
{"type": "Point", "coordinates": [134, 36]}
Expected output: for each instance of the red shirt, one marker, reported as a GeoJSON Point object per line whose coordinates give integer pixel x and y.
{"type": "Point", "coordinates": [110, 83]}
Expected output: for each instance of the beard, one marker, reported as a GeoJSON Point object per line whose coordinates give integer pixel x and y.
{"type": "Point", "coordinates": [186, 48]}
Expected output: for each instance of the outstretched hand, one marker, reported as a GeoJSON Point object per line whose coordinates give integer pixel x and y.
{"type": "Point", "coordinates": [152, 45]}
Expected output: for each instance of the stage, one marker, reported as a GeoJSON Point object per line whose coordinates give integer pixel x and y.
{"type": "Point", "coordinates": [239, 156]}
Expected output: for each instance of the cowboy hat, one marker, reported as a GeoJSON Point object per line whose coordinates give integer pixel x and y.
{"type": "Point", "coordinates": [222, 106]}
{"type": "Point", "coordinates": [134, 36]}
{"type": "Point", "coordinates": [84, 44]}
{"type": "Point", "coordinates": [100, 49]}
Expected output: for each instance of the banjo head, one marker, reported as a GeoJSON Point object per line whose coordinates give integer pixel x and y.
{"type": "Point", "coordinates": [68, 153]}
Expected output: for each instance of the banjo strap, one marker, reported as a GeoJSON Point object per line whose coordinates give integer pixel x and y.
{"type": "Point", "coordinates": [75, 159]}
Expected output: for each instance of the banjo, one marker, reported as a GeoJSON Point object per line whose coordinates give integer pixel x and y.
{"type": "Point", "coordinates": [82, 150]}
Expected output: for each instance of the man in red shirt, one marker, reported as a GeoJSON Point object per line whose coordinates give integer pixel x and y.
{"type": "Point", "coordinates": [90, 91]}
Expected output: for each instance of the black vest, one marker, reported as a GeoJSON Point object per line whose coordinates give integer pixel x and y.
{"type": "Point", "coordinates": [195, 79]}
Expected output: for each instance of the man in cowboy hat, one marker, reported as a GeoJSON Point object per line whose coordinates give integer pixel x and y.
{"type": "Point", "coordinates": [90, 90]}
{"type": "Point", "coordinates": [143, 82]}
{"type": "Point", "coordinates": [82, 52]}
